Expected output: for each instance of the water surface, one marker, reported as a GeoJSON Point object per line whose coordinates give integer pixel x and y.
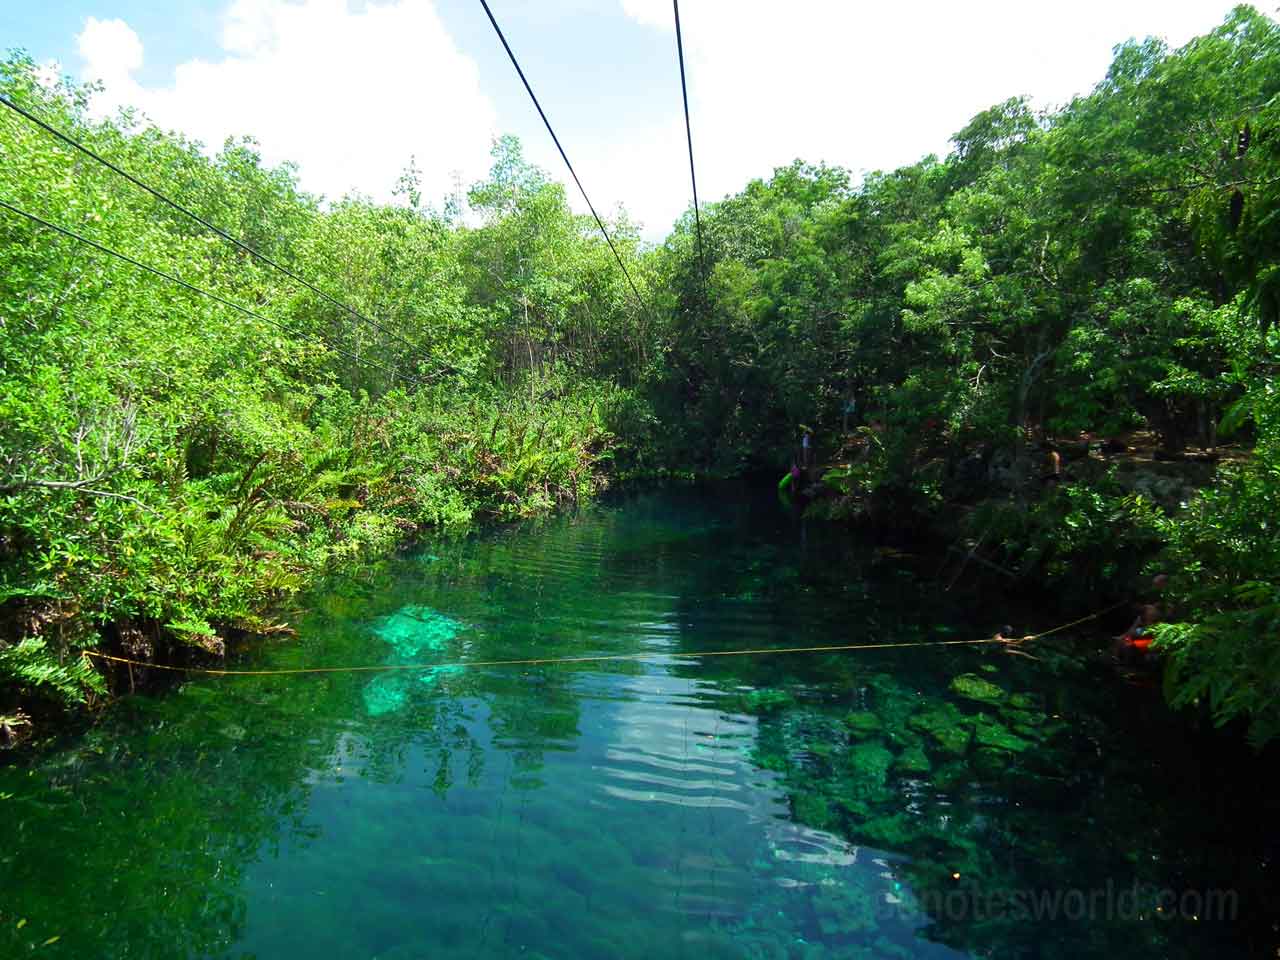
{"type": "Point", "coordinates": [846, 804]}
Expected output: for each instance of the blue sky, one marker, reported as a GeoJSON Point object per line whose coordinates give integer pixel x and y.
{"type": "Point", "coordinates": [349, 89]}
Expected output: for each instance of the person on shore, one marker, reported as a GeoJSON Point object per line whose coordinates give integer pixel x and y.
{"type": "Point", "coordinates": [1053, 468]}
{"type": "Point", "coordinates": [850, 408]}
{"type": "Point", "coordinates": [806, 447]}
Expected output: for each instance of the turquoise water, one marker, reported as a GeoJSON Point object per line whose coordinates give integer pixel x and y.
{"type": "Point", "coordinates": [858, 804]}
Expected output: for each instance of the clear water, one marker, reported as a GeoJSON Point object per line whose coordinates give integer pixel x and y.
{"type": "Point", "coordinates": [805, 805]}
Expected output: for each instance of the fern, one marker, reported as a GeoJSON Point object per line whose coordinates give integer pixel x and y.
{"type": "Point", "coordinates": [31, 664]}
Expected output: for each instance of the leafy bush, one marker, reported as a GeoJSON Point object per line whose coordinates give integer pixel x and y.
{"type": "Point", "coordinates": [1223, 557]}
{"type": "Point", "coordinates": [170, 466]}
{"type": "Point", "coordinates": [1085, 541]}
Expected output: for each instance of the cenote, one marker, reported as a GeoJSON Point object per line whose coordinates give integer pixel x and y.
{"type": "Point", "coordinates": [851, 804]}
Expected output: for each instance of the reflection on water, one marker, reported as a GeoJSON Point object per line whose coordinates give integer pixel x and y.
{"type": "Point", "coordinates": [851, 805]}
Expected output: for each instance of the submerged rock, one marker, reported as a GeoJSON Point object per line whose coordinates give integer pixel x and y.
{"type": "Point", "coordinates": [1035, 734]}
{"type": "Point", "coordinates": [871, 762]}
{"type": "Point", "coordinates": [1023, 719]}
{"type": "Point", "coordinates": [903, 738]}
{"type": "Point", "coordinates": [413, 629]}
{"type": "Point", "coordinates": [912, 760]}
{"type": "Point", "coordinates": [951, 775]}
{"type": "Point", "coordinates": [990, 762]}
{"type": "Point", "coordinates": [990, 734]}
{"type": "Point", "coordinates": [822, 748]}
{"type": "Point", "coordinates": [390, 692]}
{"type": "Point", "coordinates": [767, 701]}
{"type": "Point", "coordinates": [947, 726]}
{"type": "Point", "coordinates": [892, 701]}
{"type": "Point", "coordinates": [813, 809]}
{"type": "Point", "coordinates": [973, 687]}
{"type": "Point", "coordinates": [386, 693]}
{"type": "Point", "coordinates": [891, 832]}
{"type": "Point", "coordinates": [863, 723]}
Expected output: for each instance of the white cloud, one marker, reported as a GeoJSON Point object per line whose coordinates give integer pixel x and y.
{"type": "Point", "coordinates": [869, 85]}
{"type": "Point", "coordinates": [651, 13]}
{"type": "Point", "coordinates": [349, 96]}
{"type": "Point", "coordinates": [349, 89]}
{"type": "Point", "coordinates": [110, 46]}
{"type": "Point", "coordinates": [49, 73]}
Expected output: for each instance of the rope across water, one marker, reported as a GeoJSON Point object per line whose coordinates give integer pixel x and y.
{"type": "Point", "coordinates": [598, 658]}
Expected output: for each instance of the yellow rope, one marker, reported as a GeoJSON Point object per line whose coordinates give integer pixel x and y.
{"type": "Point", "coordinates": [601, 658]}
{"type": "Point", "coordinates": [1076, 623]}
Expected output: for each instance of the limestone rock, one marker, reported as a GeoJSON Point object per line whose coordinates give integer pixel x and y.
{"type": "Point", "coordinates": [974, 687]}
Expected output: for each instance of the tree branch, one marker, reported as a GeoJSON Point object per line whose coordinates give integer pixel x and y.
{"type": "Point", "coordinates": [76, 486]}
{"type": "Point", "coordinates": [52, 484]}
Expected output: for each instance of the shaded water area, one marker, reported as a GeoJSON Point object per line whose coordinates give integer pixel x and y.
{"type": "Point", "coordinates": [856, 804]}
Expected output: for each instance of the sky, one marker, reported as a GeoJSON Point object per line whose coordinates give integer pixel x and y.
{"type": "Point", "coordinates": [350, 90]}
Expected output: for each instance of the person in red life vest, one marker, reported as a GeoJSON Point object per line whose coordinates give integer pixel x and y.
{"type": "Point", "coordinates": [1138, 637]}
{"type": "Point", "coordinates": [1136, 641]}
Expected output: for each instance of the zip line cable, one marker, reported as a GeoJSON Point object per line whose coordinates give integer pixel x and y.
{"type": "Point", "coordinates": [563, 156]}
{"type": "Point", "coordinates": [688, 129]}
{"type": "Point", "coordinates": [205, 293]}
{"type": "Point", "coordinates": [240, 244]}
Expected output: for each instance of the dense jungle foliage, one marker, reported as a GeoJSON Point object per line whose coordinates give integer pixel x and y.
{"type": "Point", "coordinates": [1060, 280]}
